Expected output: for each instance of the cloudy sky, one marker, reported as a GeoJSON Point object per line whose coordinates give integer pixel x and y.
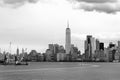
{"type": "Point", "coordinates": [33, 24]}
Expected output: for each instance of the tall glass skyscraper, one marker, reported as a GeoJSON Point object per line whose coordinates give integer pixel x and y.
{"type": "Point", "coordinates": [68, 39]}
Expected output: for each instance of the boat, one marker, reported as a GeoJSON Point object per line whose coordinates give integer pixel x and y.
{"type": "Point", "coordinates": [21, 63]}
{"type": "Point", "coordinates": [13, 62]}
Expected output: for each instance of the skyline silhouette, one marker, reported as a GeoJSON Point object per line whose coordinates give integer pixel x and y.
{"type": "Point", "coordinates": [35, 24]}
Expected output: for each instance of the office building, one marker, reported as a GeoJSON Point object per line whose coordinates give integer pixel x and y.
{"type": "Point", "coordinates": [68, 40]}
{"type": "Point", "coordinates": [17, 51]}
{"type": "Point", "coordinates": [97, 44]}
{"type": "Point", "coordinates": [101, 47]}
{"type": "Point", "coordinates": [48, 55]}
{"type": "Point", "coordinates": [119, 44]}
{"type": "Point", "coordinates": [61, 56]}
{"type": "Point", "coordinates": [51, 47]}
{"type": "Point", "coordinates": [88, 48]}
{"type": "Point", "coordinates": [93, 45]}
{"type": "Point", "coordinates": [111, 45]}
{"type": "Point", "coordinates": [74, 53]}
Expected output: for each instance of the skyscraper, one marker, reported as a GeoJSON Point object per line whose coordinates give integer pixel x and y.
{"type": "Point", "coordinates": [101, 46]}
{"type": "Point", "coordinates": [119, 44]}
{"type": "Point", "coordinates": [51, 47]}
{"type": "Point", "coordinates": [97, 45]}
{"type": "Point", "coordinates": [54, 48]}
{"type": "Point", "coordinates": [88, 48]}
{"type": "Point", "coordinates": [93, 44]}
{"type": "Point", "coordinates": [111, 45]}
{"type": "Point", "coordinates": [68, 39]}
{"type": "Point", "coordinates": [17, 51]}
{"type": "Point", "coordinates": [119, 47]}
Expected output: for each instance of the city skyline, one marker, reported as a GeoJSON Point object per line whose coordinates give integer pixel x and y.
{"type": "Point", "coordinates": [34, 26]}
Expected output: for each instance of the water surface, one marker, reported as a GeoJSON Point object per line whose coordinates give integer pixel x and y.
{"type": "Point", "coordinates": [61, 71]}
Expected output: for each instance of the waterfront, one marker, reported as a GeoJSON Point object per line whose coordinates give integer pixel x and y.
{"type": "Point", "coordinates": [61, 71]}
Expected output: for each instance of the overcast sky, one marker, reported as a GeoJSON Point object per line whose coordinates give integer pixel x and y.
{"type": "Point", "coordinates": [34, 24]}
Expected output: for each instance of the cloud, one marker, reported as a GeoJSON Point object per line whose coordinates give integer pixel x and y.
{"type": "Point", "coordinates": [96, 1]}
{"type": "Point", "coordinates": [107, 6]}
{"type": "Point", "coordinates": [15, 3]}
{"type": "Point", "coordinates": [101, 36]}
{"type": "Point", "coordinates": [79, 36]}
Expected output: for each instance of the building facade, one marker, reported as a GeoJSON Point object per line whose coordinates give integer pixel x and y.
{"type": "Point", "coordinates": [88, 48]}
{"type": "Point", "coordinates": [68, 41]}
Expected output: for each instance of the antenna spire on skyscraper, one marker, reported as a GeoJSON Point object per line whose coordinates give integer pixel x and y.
{"type": "Point", "coordinates": [68, 41]}
{"type": "Point", "coordinates": [67, 23]}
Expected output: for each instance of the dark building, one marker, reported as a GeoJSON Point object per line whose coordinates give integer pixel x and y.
{"type": "Point", "coordinates": [97, 44]}
{"type": "Point", "coordinates": [112, 52]}
{"type": "Point", "coordinates": [88, 48]}
{"type": "Point", "coordinates": [112, 55]}
{"type": "Point", "coordinates": [101, 46]}
{"type": "Point", "coordinates": [111, 45]}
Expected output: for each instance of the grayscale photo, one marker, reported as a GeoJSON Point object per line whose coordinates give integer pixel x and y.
{"type": "Point", "coordinates": [59, 39]}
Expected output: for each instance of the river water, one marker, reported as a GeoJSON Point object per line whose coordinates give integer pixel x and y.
{"type": "Point", "coordinates": [61, 71]}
